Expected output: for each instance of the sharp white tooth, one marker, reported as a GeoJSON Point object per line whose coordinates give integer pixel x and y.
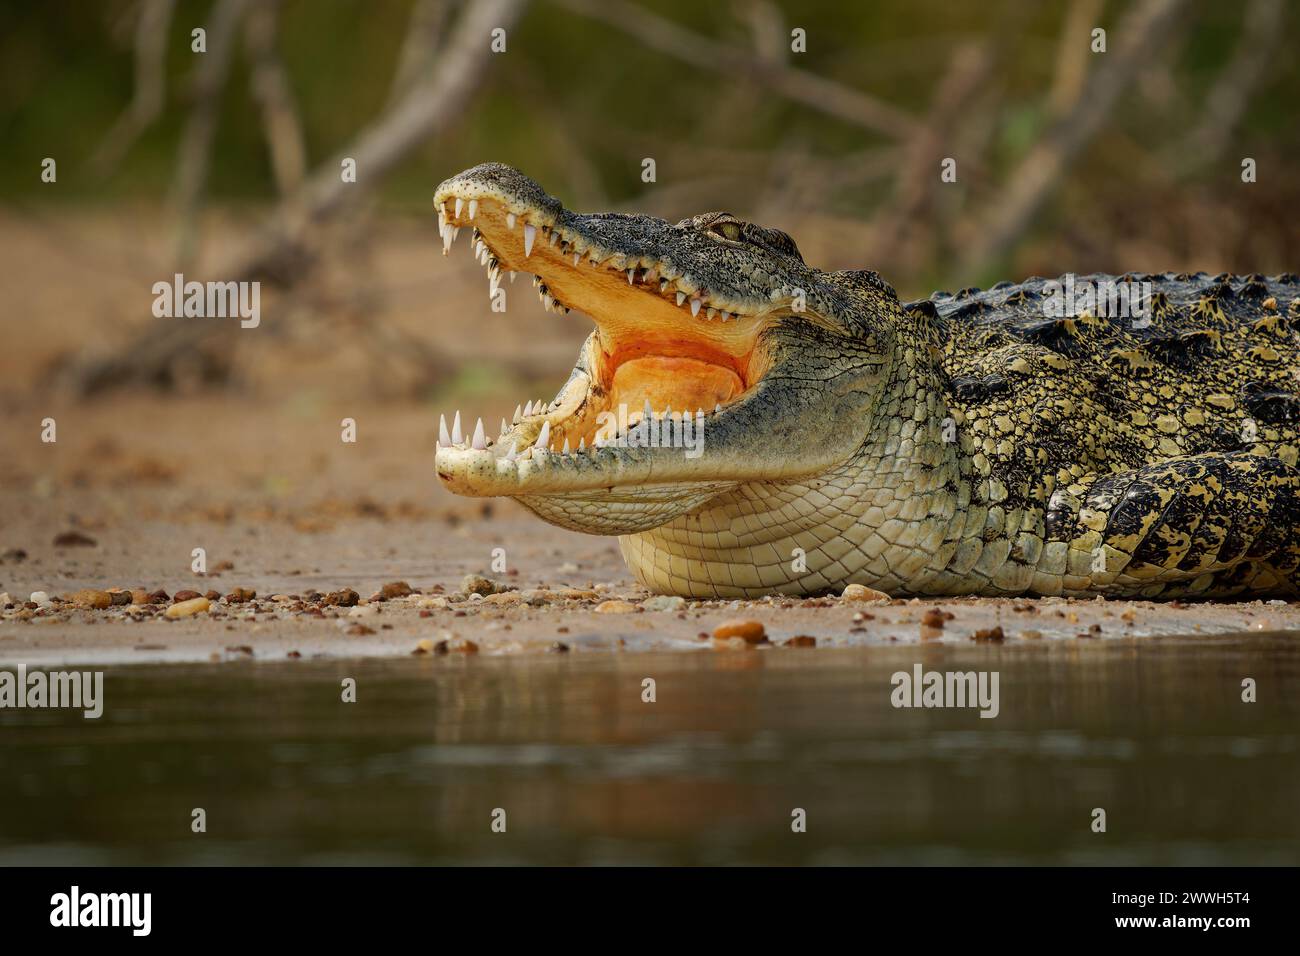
{"type": "Point", "coordinates": [456, 437]}
{"type": "Point", "coordinates": [631, 276]}
{"type": "Point", "coordinates": [530, 233]}
{"type": "Point", "coordinates": [518, 413]}
{"type": "Point", "coordinates": [504, 428]}
{"type": "Point", "coordinates": [695, 306]}
{"type": "Point", "coordinates": [512, 277]}
{"type": "Point", "coordinates": [582, 444]}
{"type": "Point", "coordinates": [717, 408]}
{"type": "Point", "coordinates": [447, 236]}
{"type": "Point", "coordinates": [513, 452]}
{"type": "Point", "coordinates": [555, 237]}
{"type": "Point", "coordinates": [460, 204]}
{"type": "Point", "coordinates": [528, 409]}
{"type": "Point", "coordinates": [648, 412]}
{"type": "Point", "coordinates": [576, 257]}
{"type": "Point", "coordinates": [510, 220]}
{"type": "Point", "coordinates": [443, 438]}
{"type": "Point", "coordinates": [543, 439]}
{"type": "Point", "coordinates": [473, 207]}
{"type": "Point", "coordinates": [681, 297]}
{"type": "Point", "coordinates": [566, 447]}
{"type": "Point", "coordinates": [455, 233]}
{"type": "Point", "coordinates": [479, 441]}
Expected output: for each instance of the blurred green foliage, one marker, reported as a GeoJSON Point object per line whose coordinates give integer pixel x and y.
{"type": "Point", "coordinates": [577, 104]}
{"type": "Point", "coordinates": [567, 84]}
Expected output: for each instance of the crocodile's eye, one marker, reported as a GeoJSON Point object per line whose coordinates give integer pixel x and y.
{"type": "Point", "coordinates": [727, 230]}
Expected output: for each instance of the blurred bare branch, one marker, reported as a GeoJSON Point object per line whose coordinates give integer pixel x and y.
{"type": "Point", "coordinates": [209, 80]}
{"type": "Point", "coordinates": [968, 69]}
{"type": "Point", "coordinates": [1010, 212]}
{"type": "Point", "coordinates": [420, 45]}
{"type": "Point", "coordinates": [426, 108]}
{"type": "Point", "coordinates": [149, 90]}
{"type": "Point", "coordinates": [815, 92]}
{"type": "Point", "coordinates": [282, 253]}
{"type": "Point", "coordinates": [1072, 53]}
{"type": "Point", "coordinates": [767, 28]}
{"type": "Point", "coordinates": [270, 85]}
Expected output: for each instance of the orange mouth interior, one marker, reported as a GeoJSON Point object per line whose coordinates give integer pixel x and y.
{"type": "Point", "coordinates": [647, 347]}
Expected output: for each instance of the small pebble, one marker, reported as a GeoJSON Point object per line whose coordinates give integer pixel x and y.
{"type": "Point", "coordinates": [750, 631]}
{"type": "Point", "coordinates": [477, 584]}
{"type": "Point", "coordinates": [664, 602]}
{"type": "Point", "coordinates": [344, 598]}
{"type": "Point", "coordinates": [197, 605]}
{"type": "Point", "coordinates": [615, 607]}
{"type": "Point", "coordinates": [860, 592]}
{"type": "Point", "coordinates": [73, 539]}
{"type": "Point", "coordinates": [89, 597]}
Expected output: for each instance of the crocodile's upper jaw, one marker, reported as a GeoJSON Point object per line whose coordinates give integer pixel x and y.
{"type": "Point", "coordinates": [686, 322]}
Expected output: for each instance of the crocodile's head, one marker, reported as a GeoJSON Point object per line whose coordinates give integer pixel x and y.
{"type": "Point", "coordinates": [776, 365]}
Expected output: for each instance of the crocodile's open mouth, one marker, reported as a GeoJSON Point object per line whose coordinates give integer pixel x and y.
{"type": "Point", "coordinates": [666, 359]}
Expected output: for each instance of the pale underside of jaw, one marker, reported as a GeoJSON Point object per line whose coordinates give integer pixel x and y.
{"type": "Point", "coordinates": [665, 350]}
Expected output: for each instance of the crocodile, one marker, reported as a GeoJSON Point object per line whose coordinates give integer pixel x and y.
{"type": "Point", "coordinates": [748, 425]}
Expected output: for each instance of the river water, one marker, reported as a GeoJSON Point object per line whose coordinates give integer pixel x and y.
{"type": "Point", "coordinates": [737, 747]}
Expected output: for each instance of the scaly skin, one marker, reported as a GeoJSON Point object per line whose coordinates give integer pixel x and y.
{"type": "Point", "coordinates": [964, 444]}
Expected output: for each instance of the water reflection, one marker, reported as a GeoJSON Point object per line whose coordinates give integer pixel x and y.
{"type": "Point", "coordinates": [1153, 731]}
